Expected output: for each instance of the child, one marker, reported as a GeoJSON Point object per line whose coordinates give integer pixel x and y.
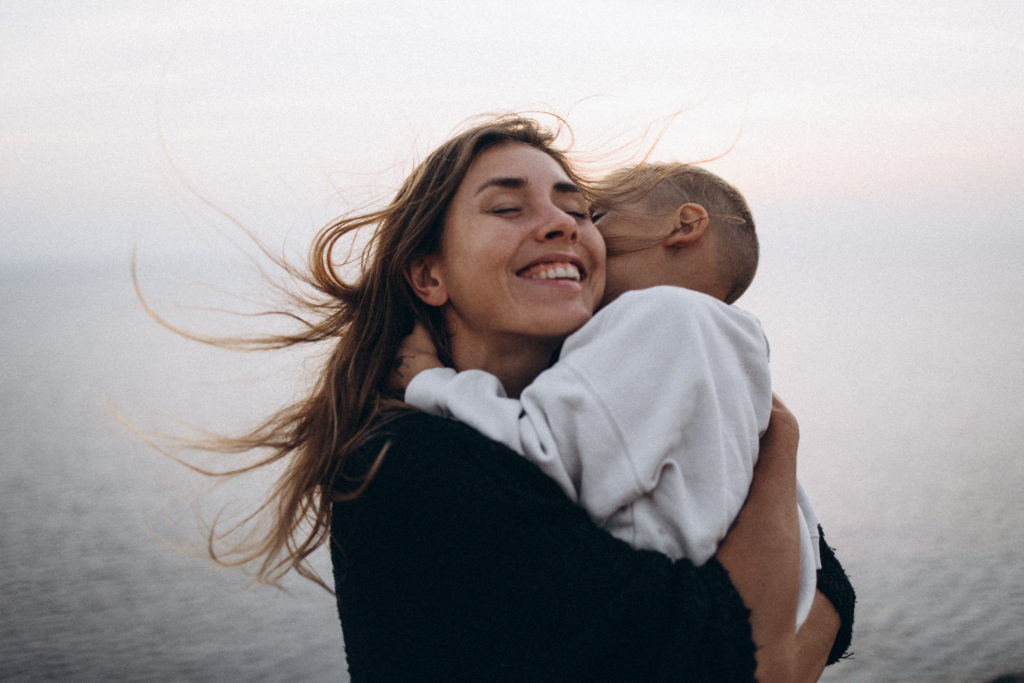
{"type": "Point", "coordinates": [652, 416]}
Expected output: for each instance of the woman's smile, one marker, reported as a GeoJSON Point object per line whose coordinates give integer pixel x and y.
{"type": "Point", "coordinates": [555, 270]}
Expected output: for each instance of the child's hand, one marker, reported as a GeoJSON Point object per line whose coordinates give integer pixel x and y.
{"type": "Point", "coordinates": [415, 354]}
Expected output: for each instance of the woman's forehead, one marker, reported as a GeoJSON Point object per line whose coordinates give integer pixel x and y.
{"type": "Point", "coordinates": [515, 166]}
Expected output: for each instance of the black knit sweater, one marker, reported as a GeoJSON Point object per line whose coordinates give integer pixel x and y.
{"type": "Point", "coordinates": [462, 561]}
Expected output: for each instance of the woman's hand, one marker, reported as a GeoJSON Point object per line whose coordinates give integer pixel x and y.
{"type": "Point", "coordinates": [762, 550]}
{"type": "Point", "coordinates": [415, 354]}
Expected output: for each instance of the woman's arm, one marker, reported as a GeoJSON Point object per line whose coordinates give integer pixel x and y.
{"type": "Point", "coordinates": [761, 552]}
{"type": "Point", "coordinates": [757, 552]}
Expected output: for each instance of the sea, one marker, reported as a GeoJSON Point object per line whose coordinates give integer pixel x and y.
{"type": "Point", "coordinates": [907, 382]}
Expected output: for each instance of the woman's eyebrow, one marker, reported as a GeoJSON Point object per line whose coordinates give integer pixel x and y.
{"type": "Point", "coordinates": [514, 183]}
{"type": "Point", "coordinates": [510, 183]}
{"type": "Point", "coordinates": [567, 187]}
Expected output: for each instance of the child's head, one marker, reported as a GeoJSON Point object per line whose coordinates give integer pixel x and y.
{"type": "Point", "coordinates": [675, 224]}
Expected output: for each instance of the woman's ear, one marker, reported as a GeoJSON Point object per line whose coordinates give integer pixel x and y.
{"type": "Point", "coordinates": [422, 276]}
{"type": "Point", "coordinates": [691, 222]}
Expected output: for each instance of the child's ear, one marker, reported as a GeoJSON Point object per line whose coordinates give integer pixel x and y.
{"type": "Point", "coordinates": [691, 222]}
{"type": "Point", "coordinates": [422, 275]}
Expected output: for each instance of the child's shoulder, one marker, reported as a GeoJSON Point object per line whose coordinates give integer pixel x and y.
{"type": "Point", "coordinates": [661, 318]}
{"type": "Point", "coordinates": [669, 295]}
{"type": "Point", "coordinates": [673, 310]}
{"type": "Point", "coordinates": [665, 300]}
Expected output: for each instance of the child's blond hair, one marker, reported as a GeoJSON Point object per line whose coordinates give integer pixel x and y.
{"type": "Point", "coordinates": [665, 186]}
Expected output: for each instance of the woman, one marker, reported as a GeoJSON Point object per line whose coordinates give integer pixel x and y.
{"type": "Point", "coordinates": [454, 558]}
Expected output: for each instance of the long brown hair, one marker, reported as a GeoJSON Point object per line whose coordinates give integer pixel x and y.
{"type": "Point", "coordinates": [364, 318]}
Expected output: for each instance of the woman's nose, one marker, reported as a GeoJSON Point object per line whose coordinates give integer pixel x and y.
{"type": "Point", "coordinates": [558, 225]}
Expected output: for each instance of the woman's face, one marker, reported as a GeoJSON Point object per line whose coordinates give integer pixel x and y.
{"type": "Point", "coordinates": [520, 258]}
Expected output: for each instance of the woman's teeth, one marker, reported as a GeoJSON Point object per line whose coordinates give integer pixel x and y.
{"type": "Point", "coordinates": [569, 272]}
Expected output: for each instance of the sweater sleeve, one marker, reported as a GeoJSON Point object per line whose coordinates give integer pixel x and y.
{"type": "Point", "coordinates": [835, 585]}
{"type": "Point", "coordinates": [462, 561]}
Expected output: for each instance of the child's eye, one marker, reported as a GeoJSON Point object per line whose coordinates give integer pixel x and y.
{"type": "Point", "coordinates": [506, 210]}
{"type": "Point", "coordinates": [596, 215]}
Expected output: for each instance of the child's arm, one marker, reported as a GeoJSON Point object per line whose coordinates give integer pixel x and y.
{"type": "Point", "coordinates": [475, 398]}
{"type": "Point", "coordinates": [664, 372]}
{"type": "Point", "coordinates": [478, 399]}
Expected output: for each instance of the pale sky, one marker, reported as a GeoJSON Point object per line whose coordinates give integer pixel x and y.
{"type": "Point", "coordinates": [286, 113]}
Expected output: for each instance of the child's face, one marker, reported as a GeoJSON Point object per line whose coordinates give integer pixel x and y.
{"type": "Point", "coordinates": [633, 235]}
{"type": "Point", "coordinates": [647, 248]}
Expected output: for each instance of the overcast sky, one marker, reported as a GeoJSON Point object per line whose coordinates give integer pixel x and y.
{"type": "Point", "coordinates": [283, 112]}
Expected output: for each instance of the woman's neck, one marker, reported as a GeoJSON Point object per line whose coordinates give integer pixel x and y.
{"type": "Point", "coordinates": [515, 363]}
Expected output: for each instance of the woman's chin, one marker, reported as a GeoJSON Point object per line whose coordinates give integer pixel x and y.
{"type": "Point", "coordinates": [560, 322]}
{"type": "Point", "coordinates": [565, 305]}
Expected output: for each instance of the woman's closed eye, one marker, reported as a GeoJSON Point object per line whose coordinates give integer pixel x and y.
{"type": "Point", "coordinates": [512, 210]}
{"type": "Point", "coordinates": [576, 209]}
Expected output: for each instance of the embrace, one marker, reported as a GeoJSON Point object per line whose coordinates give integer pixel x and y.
{"type": "Point", "coordinates": [544, 444]}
